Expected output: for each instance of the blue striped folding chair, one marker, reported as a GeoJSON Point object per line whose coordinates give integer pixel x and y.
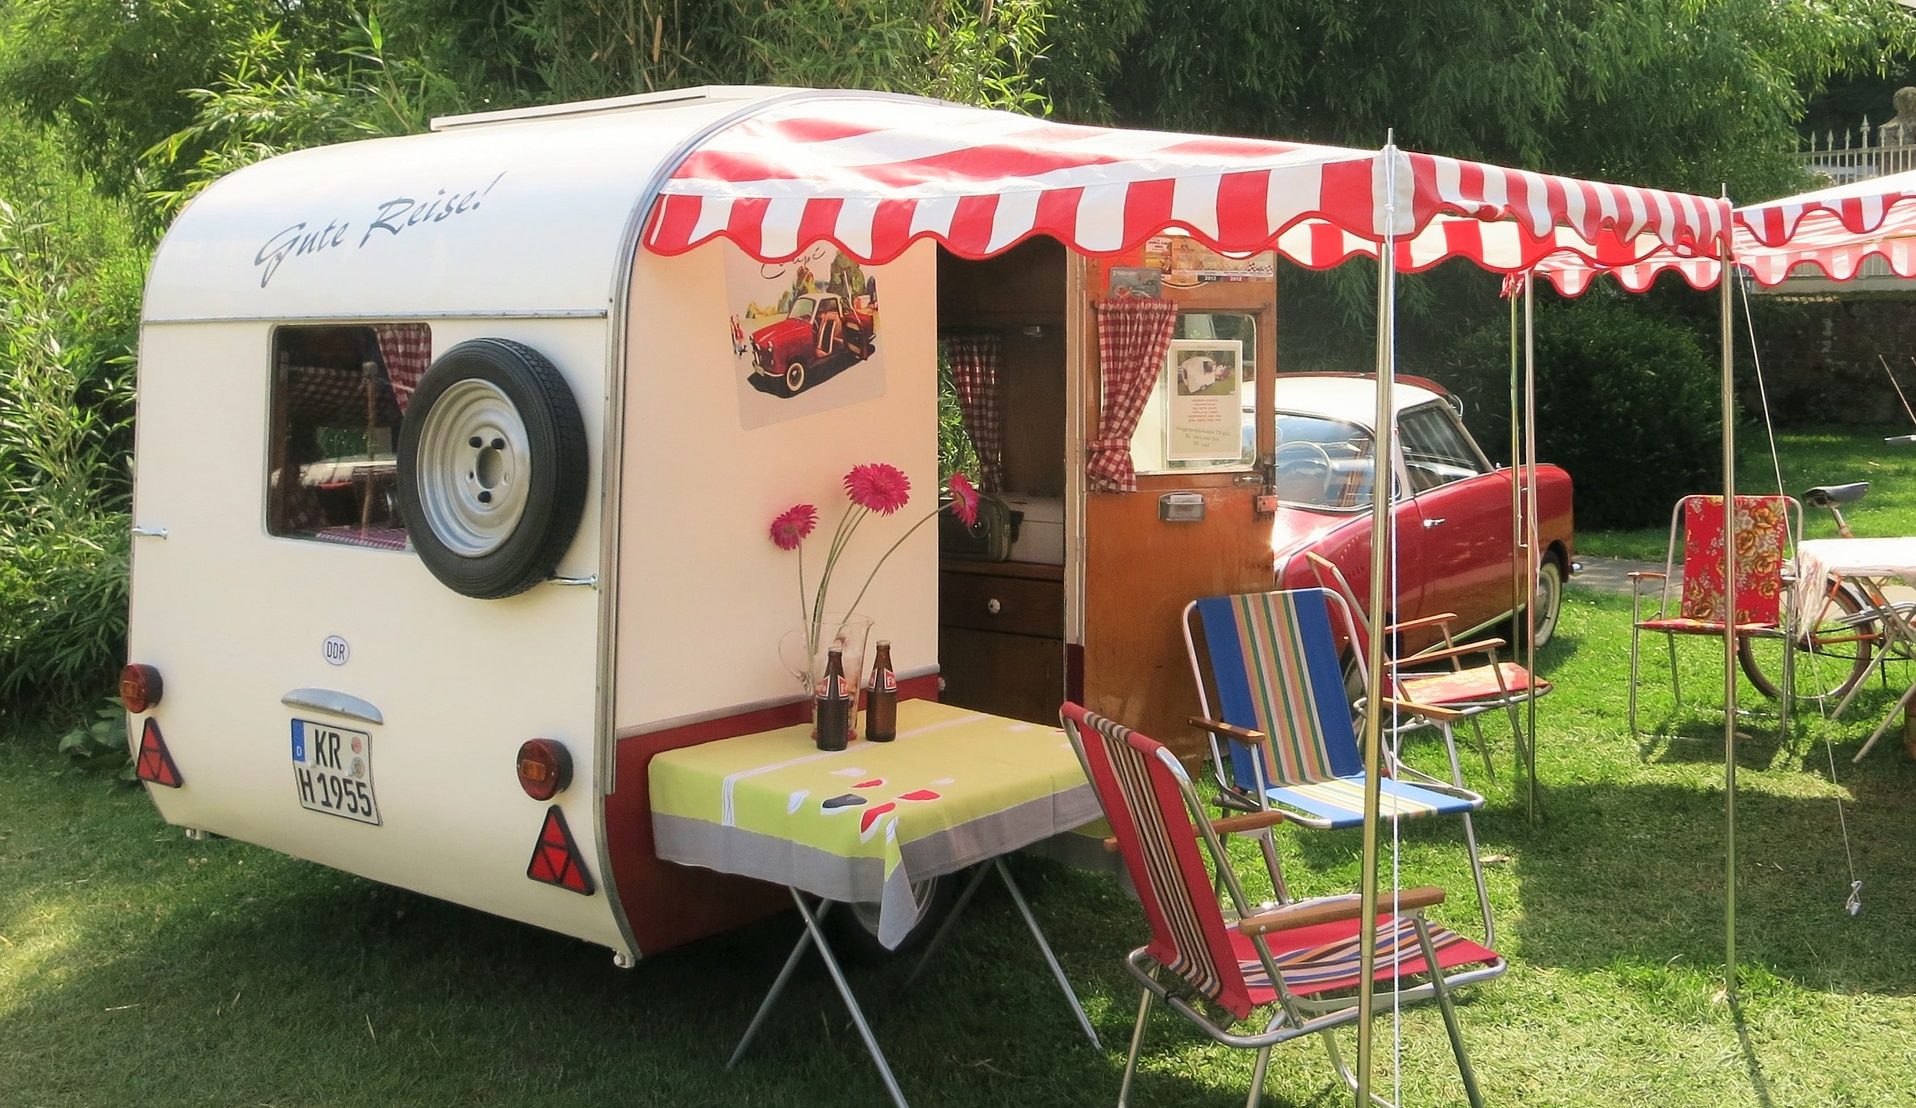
{"type": "Point", "coordinates": [1280, 727]}
{"type": "Point", "coordinates": [1269, 974]}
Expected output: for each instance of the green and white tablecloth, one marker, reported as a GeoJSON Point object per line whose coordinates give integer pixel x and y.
{"type": "Point", "coordinates": [863, 824]}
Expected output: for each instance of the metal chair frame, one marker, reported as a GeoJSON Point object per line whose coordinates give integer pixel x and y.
{"type": "Point", "coordinates": [1793, 529]}
{"type": "Point", "coordinates": [1403, 669]}
{"type": "Point", "coordinates": [1232, 795]}
{"type": "Point", "coordinates": [1291, 1017]}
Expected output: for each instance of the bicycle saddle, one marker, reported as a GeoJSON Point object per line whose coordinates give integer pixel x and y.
{"type": "Point", "coordinates": [1822, 496]}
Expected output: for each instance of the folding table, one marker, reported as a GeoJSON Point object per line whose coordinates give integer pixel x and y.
{"type": "Point", "coordinates": [956, 788]}
{"type": "Point", "coordinates": [1874, 564]}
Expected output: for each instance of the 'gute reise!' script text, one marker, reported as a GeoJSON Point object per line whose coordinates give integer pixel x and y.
{"type": "Point", "coordinates": [389, 218]}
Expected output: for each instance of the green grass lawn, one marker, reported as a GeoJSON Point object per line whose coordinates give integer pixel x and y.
{"type": "Point", "coordinates": [1817, 456]}
{"type": "Point", "coordinates": [137, 967]}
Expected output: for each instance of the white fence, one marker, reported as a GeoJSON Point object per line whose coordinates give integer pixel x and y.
{"type": "Point", "coordinates": [1853, 156]}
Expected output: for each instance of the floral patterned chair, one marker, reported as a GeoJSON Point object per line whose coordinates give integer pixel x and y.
{"type": "Point", "coordinates": [1699, 604]}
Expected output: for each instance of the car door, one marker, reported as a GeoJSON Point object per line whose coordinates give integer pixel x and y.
{"type": "Point", "coordinates": [1461, 517]}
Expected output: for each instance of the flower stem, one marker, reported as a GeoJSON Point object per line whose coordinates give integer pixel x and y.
{"type": "Point", "coordinates": [869, 578]}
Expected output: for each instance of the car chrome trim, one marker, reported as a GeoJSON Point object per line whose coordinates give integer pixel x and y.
{"type": "Point", "coordinates": [334, 702]}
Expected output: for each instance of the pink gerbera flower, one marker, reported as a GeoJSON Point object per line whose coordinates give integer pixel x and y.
{"type": "Point", "coordinates": [964, 500]}
{"type": "Point", "coordinates": [878, 487]}
{"type": "Point", "coordinates": [793, 525]}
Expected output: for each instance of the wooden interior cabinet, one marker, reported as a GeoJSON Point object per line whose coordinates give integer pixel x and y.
{"type": "Point", "coordinates": [1001, 637]}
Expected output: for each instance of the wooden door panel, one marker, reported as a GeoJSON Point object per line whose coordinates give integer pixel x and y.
{"type": "Point", "coordinates": [1139, 574]}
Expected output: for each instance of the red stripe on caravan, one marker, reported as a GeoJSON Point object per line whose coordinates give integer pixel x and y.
{"type": "Point", "coordinates": [673, 222]}
{"type": "Point", "coordinates": [1057, 214]}
{"type": "Point", "coordinates": [891, 229]}
{"type": "Point", "coordinates": [1147, 209]}
{"type": "Point", "coordinates": [983, 168]}
{"type": "Point", "coordinates": [1464, 240]}
{"type": "Point", "coordinates": [1347, 196]}
{"type": "Point", "coordinates": [971, 225]}
{"type": "Point", "coordinates": [1327, 246]}
{"type": "Point", "coordinates": [809, 128]}
{"type": "Point", "coordinates": [746, 225]}
{"type": "Point", "coordinates": [1241, 204]}
{"type": "Point", "coordinates": [733, 167]}
{"type": "Point", "coordinates": [1224, 146]}
{"type": "Point", "coordinates": [819, 220]}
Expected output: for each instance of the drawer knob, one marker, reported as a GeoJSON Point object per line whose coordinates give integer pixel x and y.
{"type": "Point", "coordinates": [993, 606]}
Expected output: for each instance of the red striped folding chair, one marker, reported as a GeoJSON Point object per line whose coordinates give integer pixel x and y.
{"type": "Point", "coordinates": [1471, 690]}
{"type": "Point", "coordinates": [1701, 602]}
{"type": "Point", "coordinates": [1272, 697]}
{"type": "Point", "coordinates": [1264, 968]}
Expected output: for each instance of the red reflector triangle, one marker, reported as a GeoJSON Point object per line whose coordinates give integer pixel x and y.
{"type": "Point", "coordinates": [556, 860]}
{"type": "Point", "coordinates": [154, 763]}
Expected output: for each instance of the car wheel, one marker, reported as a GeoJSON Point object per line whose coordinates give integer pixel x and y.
{"type": "Point", "coordinates": [855, 925]}
{"type": "Point", "coordinates": [1547, 600]}
{"type": "Point", "coordinates": [794, 377]}
{"type": "Point", "coordinates": [492, 468]}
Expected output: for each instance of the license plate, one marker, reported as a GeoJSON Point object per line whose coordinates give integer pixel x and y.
{"type": "Point", "coordinates": [333, 770]}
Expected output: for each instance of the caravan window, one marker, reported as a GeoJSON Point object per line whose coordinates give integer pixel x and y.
{"type": "Point", "coordinates": [338, 396]}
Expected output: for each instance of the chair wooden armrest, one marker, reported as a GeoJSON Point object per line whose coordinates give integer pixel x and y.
{"type": "Point", "coordinates": [1229, 825]}
{"type": "Point", "coordinates": [1251, 821]}
{"type": "Point", "coordinates": [1439, 620]}
{"type": "Point", "coordinates": [1332, 909]}
{"type": "Point", "coordinates": [1439, 654]}
{"type": "Point", "coordinates": [1428, 711]}
{"type": "Point", "coordinates": [1228, 731]}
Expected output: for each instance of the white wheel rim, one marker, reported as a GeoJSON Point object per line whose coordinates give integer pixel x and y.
{"type": "Point", "coordinates": [1544, 601]}
{"type": "Point", "coordinates": [473, 468]}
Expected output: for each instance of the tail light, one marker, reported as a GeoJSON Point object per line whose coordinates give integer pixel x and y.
{"type": "Point", "coordinates": [140, 687]}
{"type": "Point", "coordinates": [545, 769]}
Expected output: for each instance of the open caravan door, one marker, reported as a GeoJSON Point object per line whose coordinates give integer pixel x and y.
{"type": "Point", "coordinates": [1177, 415]}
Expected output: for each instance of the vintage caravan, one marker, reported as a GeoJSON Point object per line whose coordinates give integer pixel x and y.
{"type": "Point", "coordinates": [456, 455]}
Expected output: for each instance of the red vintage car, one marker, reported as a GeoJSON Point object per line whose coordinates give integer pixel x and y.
{"type": "Point", "coordinates": [821, 335]}
{"type": "Point", "coordinates": [1451, 512]}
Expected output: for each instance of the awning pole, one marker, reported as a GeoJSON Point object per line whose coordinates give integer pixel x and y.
{"type": "Point", "coordinates": [1382, 490]}
{"type": "Point", "coordinates": [1533, 544]}
{"type": "Point", "coordinates": [1729, 616]}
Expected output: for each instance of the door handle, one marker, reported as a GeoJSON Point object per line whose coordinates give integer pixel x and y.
{"type": "Point", "coordinates": [1438, 522]}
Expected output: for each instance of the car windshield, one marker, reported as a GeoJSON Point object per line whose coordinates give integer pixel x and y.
{"type": "Point", "coordinates": [803, 307]}
{"type": "Point", "coordinates": [1323, 462]}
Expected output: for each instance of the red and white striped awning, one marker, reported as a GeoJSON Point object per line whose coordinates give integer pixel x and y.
{"type": "Point", "coordinates": [1831, 231]}
{"type": "Point", "coordinates": [873, 173]}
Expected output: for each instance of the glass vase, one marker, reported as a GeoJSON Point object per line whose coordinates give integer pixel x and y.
{"type": "Point", "coordinates": [805, 651]}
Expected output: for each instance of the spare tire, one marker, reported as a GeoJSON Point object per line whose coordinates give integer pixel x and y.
{"type": "Point", "coordinates": [492, 468]}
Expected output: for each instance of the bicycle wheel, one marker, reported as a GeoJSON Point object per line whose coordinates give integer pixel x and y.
{"type": "Point", "coordinates": [1832, 654]}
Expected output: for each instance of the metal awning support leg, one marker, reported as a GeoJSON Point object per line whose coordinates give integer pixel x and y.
{"type": "Point", "coordinates": [1729, 624]}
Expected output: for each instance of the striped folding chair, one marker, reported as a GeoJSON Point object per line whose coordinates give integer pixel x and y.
{"type": "Point", "coordinates": [1280, 728]}
{"type": "Point", "coordinates": [1263, 968]}
{"type": "Point", "coordinates": [1471, 690]}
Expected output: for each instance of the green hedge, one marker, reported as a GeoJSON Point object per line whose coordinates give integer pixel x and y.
{"type": "Point", "coordinates": [1627, 402]}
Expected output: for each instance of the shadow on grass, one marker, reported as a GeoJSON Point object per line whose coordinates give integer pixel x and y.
{"type": "Point", "coordinates": [318, 988]}
{"type": "Point", "coordinates": [1634, 875]}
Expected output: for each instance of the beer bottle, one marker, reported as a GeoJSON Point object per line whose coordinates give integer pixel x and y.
{"type": "Point", "coordinates": [881, 698]}
{"type": "Point", "coordinates": [832, 708]}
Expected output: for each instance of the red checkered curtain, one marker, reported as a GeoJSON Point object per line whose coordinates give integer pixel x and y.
{"type": "Point", "coordinates": [974, 373]}
{"type": "Point", "coordinates": [406, 348]}
{"type": "Point", "coordinates": [1133, 334]}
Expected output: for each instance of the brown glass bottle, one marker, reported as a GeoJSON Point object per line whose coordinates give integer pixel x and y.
{"type": "Point", "coordinates": [881, 698]}
{"type": "Point", "coordinates": [832, 706]}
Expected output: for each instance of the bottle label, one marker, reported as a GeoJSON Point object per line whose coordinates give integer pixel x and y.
{"type": "Point", "coordinates": [886, 682]}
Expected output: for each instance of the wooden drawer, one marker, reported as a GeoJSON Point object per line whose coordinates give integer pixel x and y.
{"type": "Point", "coordinates": [1015, 605]}
{"type": "Point", "coordinates": [1007, 675]}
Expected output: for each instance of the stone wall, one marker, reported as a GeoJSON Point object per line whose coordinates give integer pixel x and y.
{"type": "Point", "coordinates": [1820, 358]}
